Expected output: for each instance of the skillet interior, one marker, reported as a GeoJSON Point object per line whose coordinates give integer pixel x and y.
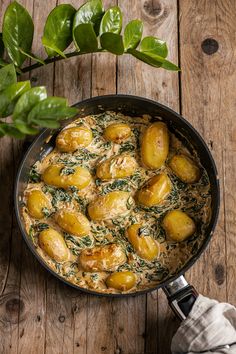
{"type": "Point", "coordinates": [132, 106]}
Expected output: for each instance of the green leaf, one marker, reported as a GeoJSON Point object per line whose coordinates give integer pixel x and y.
{"type": "Point", "coordinates": [91, 12]}
{"type": "Point", "coordinates": [11, 130]}
{"type": "Point", "coordinates": [153, 45]}
{"type": "Point", "coordinates": [170, 66]}
{"type": "Point", "coordinates": [18, 30]}
{"type": "Point", "coordinates": [7, 76]}
{"type": "Point", "coordinates": [58, 29]}
{"type": "Point", "coordinates": [111, 21]}
{"type": "Point", "coordinates": [27, 101]}
{"type": "Point", "coordinates": [52, 108]}
{"type": "Point", "coordinates": [50, 46]}
{"type": "Point", "coordinates": [48, 123]}
{"type": "Point", "coordinates": [113, 43]}
{"type": "Point", "coordinates": [85, 38]}
{"type": "Point", "coordinates": [1, 46]}
{"type": "Point", "coordinates": [155, 61]}
{"type": "Point", "coordinates": [9, 96]}
{"type": "Point", "coordinates": [25, 128]}
{"type": "Point", "coordinates": [32, 56]}
{"type": "Point", "coordinates": [133, 34]}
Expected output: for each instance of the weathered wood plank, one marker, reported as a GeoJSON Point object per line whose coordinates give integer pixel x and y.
{"type": "Point", "coordinates": [101, 316]}
{"type": "Point", "coordinates": [33, 276]}
{"type": "Point", "coordinates": [13, 304]}
{"type": "Point", "coordinates": [66, 308]}
{"type": "Point", "coordinates": [204, 78]}
{"type": "Point", "coordinates": [160, 19]}
{"type": "Point", "coordinates": [225, 13]}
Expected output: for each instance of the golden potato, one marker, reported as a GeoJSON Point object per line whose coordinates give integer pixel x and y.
{"type": "Point", "coordinates": [155, 145]}
{"type": "Point", "coordinates": [110, 205]}
{"type": "Point", "coordinates": [102, 258]}
{"type": "Point", "coordinates": [71, 139]}
{"type": "Point", "coordinates": [53, 243]}
{"type": "Point", "coordinates": [117, 132]}
{"type": "Point", "coordinates": [185, 168]}
{"type": "Point", "coordinates": [155, 191]}
{"type": "Point", "coordinates": [178, 225]}
{"type": "Point", "coordinates": [122, 281]}
{"type": "Point", "coordinates": [73, 222]}
{"type": "Point", "coordinates": [144, 245]}
{"type": "Point", "coordinates": [117, 167]}
{"type": "Point", "coordinates": [54, 175]}
{"type": "Point", "coordinates": [36, 202]}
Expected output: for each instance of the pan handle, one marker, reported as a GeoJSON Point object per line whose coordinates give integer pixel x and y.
{"type": "Point", "coordinates": [181, 296]}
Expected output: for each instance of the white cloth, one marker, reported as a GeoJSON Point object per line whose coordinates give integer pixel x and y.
{"type": "Point", "coordinates": [209, 328]}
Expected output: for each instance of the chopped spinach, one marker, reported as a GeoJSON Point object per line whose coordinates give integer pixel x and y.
{"type": "Point", "coordinates": [84, 155]}
{"type": "Point", "coordinates": [127, 146]}
{"type": "Point", "coordinates": [67, 162]}
{"type": "Point", "coordinates": [143, 231]}
{"type": "Point", "coordinates": [34, 175]}
{"type": "Point", "coordinates": [119, 184]}
{"type": "Point", "coordinates": [81, 201]}
{"type": "Point", "coordinates": [58, 195]}
{"type": "Point", "coordinates": [31, 233]}
{"type": "Point", "coordinates": [66, 171]}
{"type": "Point", "coordinates": [46, 212]}
{"type": "Point", "coordinates": [75, 243]}
{"type": "Point", "coordinates": [40, 227]}
{"type": "Point", "coordinates": [106, 145]}
{"type": "Point", "coordinates": [94, 276]}
{"type": "Point", "coordinates": [98, 182]}
{"type": "Point", "coordinates": [129, 203]}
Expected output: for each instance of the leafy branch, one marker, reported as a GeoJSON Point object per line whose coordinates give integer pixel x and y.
{"type": "Point", "coordinates": [91, 29]}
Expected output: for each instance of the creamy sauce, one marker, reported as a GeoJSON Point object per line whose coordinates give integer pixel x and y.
{"type": "Point", "coordinates": [195, 199]}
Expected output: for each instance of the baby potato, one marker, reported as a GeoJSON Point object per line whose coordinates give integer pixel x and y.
{"type": "Point", "coordinates": [71, 139]}
{"type": "Point", "coordinates": [155, 145]}
{"type": "Point", "coordinates": [122, 281]}
{"type": "Point", "coordinates": [178, 225]}
{"type": "Point", "coordinates": [117, 132]}
{"type": "Point", "coordinates": [36, 202]}
{"type": "Point", "coordinates": [110, 205]}
{"type": "Point", "coordinates": [102, 258]}
{"type": "Point", "coordinates": [117, 167]}
{"type": "Point", "coordinates": [53, 175]}
{"type": "Point", "coordinates": [155, 191]}
{"type": "Point", "coordinates": [145, 246]}
{"type": "Point", "coordinates": [53, 243]}
{"type": "Point", "coordinates": [185, 168]}
{"type": "Point", "coordinates": [73, 222]}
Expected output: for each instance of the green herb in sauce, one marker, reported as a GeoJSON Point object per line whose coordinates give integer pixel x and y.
{"type": "Point", "coordinates": [195, 199]}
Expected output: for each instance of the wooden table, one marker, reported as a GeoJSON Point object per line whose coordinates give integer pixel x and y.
{"type": "Point", "coordinates": [38, 314]}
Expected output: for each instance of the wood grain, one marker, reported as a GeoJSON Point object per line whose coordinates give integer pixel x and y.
{"type": "Point", "coordinates": [33, 286]}
{"type": "Point", "coordinates": [13, 307]}
{"type": "Point", "coordinates": [66, 308]}
{"type": "Point", "coordinates": [204, 82]}
{"type": "Point", "coordinates": [134, 77]}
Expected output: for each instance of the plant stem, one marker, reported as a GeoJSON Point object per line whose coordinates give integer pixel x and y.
{"type": "Point", "coordinates": [54, 59]}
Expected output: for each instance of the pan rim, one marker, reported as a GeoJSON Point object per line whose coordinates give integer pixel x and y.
{"type": "Point", "coordinates": [190, 262]}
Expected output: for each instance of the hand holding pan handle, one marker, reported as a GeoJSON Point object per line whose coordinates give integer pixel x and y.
{"type": "Point", "coordinates": [181, 296]}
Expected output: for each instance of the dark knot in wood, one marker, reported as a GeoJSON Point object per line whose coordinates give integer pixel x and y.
{"type": "Point", "coordinates": [61, 318]}
{"type": "Point", "coordinates": [13, 309]}
{"type": "Point", "coordinates": [210, 46]}
{"type": "Point", "coordinates": [219, 274]}
{"type": "Point", "coordinates": [152, 8]}
{"type": "Point", "coordinates": [14, 306]}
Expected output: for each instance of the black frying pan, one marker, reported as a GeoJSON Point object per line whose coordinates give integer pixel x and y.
{"type": "Point", "coordinates": [180, 294]}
